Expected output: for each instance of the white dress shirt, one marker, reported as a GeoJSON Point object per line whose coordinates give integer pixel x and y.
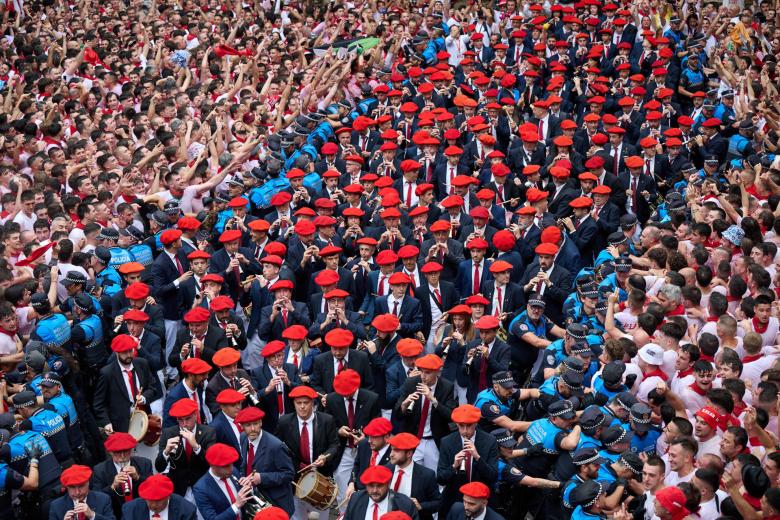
{"type": "Point", "coordinates": [310, 428]}
{"type": "Point", "coordinates": [383, 508]}
{"type": "Point", "coordinates": [427, 428]}
{"type": "Point", "coordinates": [221, 486]}
{"type": "Point", "coordinates": [391, 303]}
{"type": "Point", "coordinates": [406, 481]}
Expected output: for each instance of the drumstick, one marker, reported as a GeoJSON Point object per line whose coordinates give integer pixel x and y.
{"type": "Point", "coordinates": [312, 464]}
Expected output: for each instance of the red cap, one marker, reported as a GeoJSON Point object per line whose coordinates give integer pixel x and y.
{"type": "Point", "coordinates": [295, 332]}
{"type": "Point", "coordinates": [272, 347]}
{"type": "Point", "coordinates": [339, 338]}
{"type": "Point", "coordinates": [120, 441]}
{"type": "Point", "coordinates": [123, 343]}
{"type": "Point", "coordinates": [197, 315]}
{"type": "Point", "coordinates": [399, 279]}
{"type": "Point", "coordinates": [499, 266]}
{"type": "Point", "coordinates": [546, 249]}
{"type": "Point", "coordinates": [230, 235]}
{"type": "Point", "coordinates": [303, 391]}
{"type": "Point", "coordinates": [226, 356]}
{"type": "Point", "coordinates": [221, 455]}
{"type": "Point", "coordinates": [156, 487]}
{"type": "Point", "coordinates": [429, 362]}
{"type": "Point", "coordinates": [409, 347]}
{"type": "Point", "coordinates": [346, 382]}
{"type": "Point", "coordinates": [77, 475]}
{"type": "Point", "coordinates": [476, 490]}
{"type": "Point", "coordinates": [230, 396]}
{"type": "Point", "coordinates": [408, 251]}
{"type": "Point", "coordinates": [169, 236]}
{"type": "Point", "coordinates": [249, 414]}
{"type": "Point", "coordinates": [404, 441]}
{"type": "Point", "coordinates": [221, 303]}
{"type": "Point", "coordinates": [237, 202]}
{"type": "Point", "coordinates": [466, 414]}
{"type": "Point", "coordinates": [376, 475]}
{"type": "Point", "coordinates": [487, 323]}
{"type": "Point", "coordinates": [184, 407]}
{"type": "Point", "coordinates": [504, 240]}
{"type": "Point", "coordinates": [431, 267]}
{"type": "Point", "coordinates": [135, 315]}
{"type": "Point", "coordinates": [281, 284]}
{"type": "Point", "coordinates": [386, 323]}
{"type": "Point", "coordinates": [386, 257]}
{"type": "Point", "coordinates": [188, 223]}
{"type": "Point", "coordinates": [197, 254]}
{"type": "Point", "coordinates": [378, 427]}
{"type": "Point", "coordinates": [195, 366]}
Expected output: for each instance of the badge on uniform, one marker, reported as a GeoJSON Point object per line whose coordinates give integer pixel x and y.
{"type": "Point", "coordinates": [550, 359]}
{"type": "Point", "coordinates": [514, 471]}
{"type": "Point", "coordinates": [523, 327]}
{"type": "Point", "coordinates": [494, 409]}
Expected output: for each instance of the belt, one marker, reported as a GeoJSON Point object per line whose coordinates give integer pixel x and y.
{"type": "Point", "coordinates": [428, 438]}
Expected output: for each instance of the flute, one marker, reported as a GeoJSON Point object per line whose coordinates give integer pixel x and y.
{"type": "Point", "coordinates": [232, 338]}
{"type": "Point", "coordinates": [126, 485]}
{"type": "Point", "coordinates": [463, 460]}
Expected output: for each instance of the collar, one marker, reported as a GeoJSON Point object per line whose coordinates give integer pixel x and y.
{"type": "Point", "coordinates": [697, 389]}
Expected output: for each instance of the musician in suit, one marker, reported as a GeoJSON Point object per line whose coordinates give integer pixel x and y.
{"type": "Point", "coordinates": [121, 474]}
{"type": "Point", "coordinates": [123, 384]}
{"type": "Point", "coordinates": [220, 493]}
{"type": "Point", "coordinates": [398, 303]}
{"type": "Point", "coordinates": [199, 339]}
{"type": "Point", "coordinates": [436, 296]}
{"type": "Point", "coordinates": [311, 437]}
{"type": "Point", "coordinates": [182, 452]}
{"type": "Point", "coordinates": [484, 357]}
{"type": "Point", "coordinates": [582, 229]}
{"type": "Point", "coordinates": [424, 408]}
{"type": "Point", "coordinates": [549, 280]}
{"type": "Point", "coordinates": [412, 479]}
{"type": "Point", "coordinates": [192, 288]}
{"type": "Point", "coordinates": [467, 455]}
{"type": "Point", "coordinates": [639, 189]}
{"type": "Point", "coordinates": [337, 316]}
{"type": "Point", "coordinates": [340, 357]}
{"type": "Point", "coordinates": [606, 215]}
{"type": "Point", "coordinates": [150, 347]}
{"type": "Point", "coordinates": [474, 503]}
{"type": "Point", "coordinates": [84, 502]}
{"type": "Point", "coordinates": [377, 497]}
{"type": "Point", "coordinates": [504, 296]}
{"type": "Point", "coordinates": [224, 423]}
{"type": "Point", "coordinates": [266, 460]}
{"type": "Point", "coordinates": [229, 376]}
{"type": "Point", "coordinates": [331, 255]}
{"type": "Point", "coordinates": [616, 151]}
{"type": "Point", "coordinates": [157, 498]}
{"type": "Point", "coordinates": [169, 270]}
{"type": "Point", "coordinates": [226, 319]}
{"type": "Point", "coordinates": [194, 372]}
{"type": "Point", "coordinates": [442, 249]}
{"type": "Point", "coordinates": [234, 263]}
{"type": "Point", "coordinates": [273, 380]}
{"type": "Point", "coordinates": [351, 408]}
{"type": "Point", "coordinates": [465, 282]}
{"type": "Point", "coordinates": [562, 190]}
{"type": "Point", "coordinates": [282, 312]}
{"type": "Point", "coordinates": [372, 450]}
{"type": "Point", "coordinates": [377, 282]}
{"type": "Point", "coordinates": [136, 297]}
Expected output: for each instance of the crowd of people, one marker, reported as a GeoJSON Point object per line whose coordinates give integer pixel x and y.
{"type": "Point", "coordinates": [389, 260]}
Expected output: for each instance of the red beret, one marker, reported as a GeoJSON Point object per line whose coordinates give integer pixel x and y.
{"type": "Point", "coordinates": [230, 396]}
{"type": "Point", "coordinates": [504, 240]}
{"type": "Point", "coordinates": [391, 515]}
{"type": "Point", "coordinates": [213, 278]}
{"type": "Point", "coordinates": [408, 251]}
{"type": "Point", "coordinates": [347, 382]}
{"type": "Point", "coordinates": [499, 266]}
{"type": "Point", "coordinates": [409, 347]}
{"type": "Point", "coordinates": [169, 236]}
{"type": "Point", "coordinates": [249, 414]}
{"type": "Point", "coordinates": [487, 323]}
{"type": "Point", "coordinates": [188, 223]}
{"type": "Point", "coordinates": [551, 235]}
{"type": "Point", "coordinates": [326, 277]}
{"type": "Point", "coordinates": [221, 455]}
{"type": "Point", "coordinates": [581, 202]}
{"type": "Point", "coordinates": [602, 189]}
{"type": "Point", "coordinates": [195, 366]}
{"type": "Point", "coordinates": [634, 161]}
{"type": "Point", "coordinates": [304, 227]}
{"type": "Point", "coordinates": [272, 347]}
{"type": "Point", "coordinates": [120, 441]}
{"type": "Point", "coordinates": [77, 475]}
{"type": "Point", "coordinates": [135, 315]}
{"type": "Point", "coordinates": [431, 267]}
{"type": "Point", "coordinates": [230, 235]}
{"type": "Point", "coordinates": [377, 427]}
{"type": "Point", "coordinates": [137, 291]}
{"type": "Point", "coordinates": [330, 250]}
{"type": "Point", "coordinates": [198, 254]}
{"type": "Point", "coordinates": [259, 225]}
{"type": "Point", "coordinates": [480, 211]}
{"type": "Point", "coordinates": [339, 338]}
{"type": "Point", "coordinates": [336, 293]}
{"type": "Point", "coordinates": [197, 315]}
{"type": "Point", "coordinates": [156, 487]}
{"type": "Point", "coordinates": [477, 243]}
{"type": "Point", "coordinates": [131, 268]}
{"type": "Point", "coordinates": [466, 414]}
{"type": "Point", "coordinates": [226, 356]}
{"type": "Point", "coordinates": [386, 323]}
{"type": "Point", "coordinates": [376, 475]}
{"type": "Point", "coordinates": [221, 303]}
{"type": "Point", "coordinates": [295, 332]}
{"type": "Point", "coordinates": [303, 391]}
{"type": "Point", "coordinates": [404, 441]}
{"type": "Point", "coordinates": [546, 249]}
{"type": "Point", "coordinates": [123, 343]}
{"type": "Point", "coordinates": [399, 279]}
{"type": "Point", "coordinates": [237, 202]}
{"type": "Point", "coordinates": [440, 225]}
{"type": "Point", "coordinates": [475, 489]}
{"type": "Point", "coordinates": [429, 362]}
{"type": "Point", "coordinates": [282, 197]}
{"type": "Point", "coordinates": [184, 407]}
{"type": "Point", "coordinates": [281, 284]}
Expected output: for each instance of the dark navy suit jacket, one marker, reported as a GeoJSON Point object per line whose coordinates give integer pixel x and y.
{"type": "Point", "coordinates": [178, 509]}
{"type": "Point", "coordinates": [274, 463]}
{"type": "Point", "coordinates": [97, 501]}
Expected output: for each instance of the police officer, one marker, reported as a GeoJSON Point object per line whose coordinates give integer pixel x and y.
{"type": "Point", "coordinates": [618, 407]}
{"type": "Point", "coordinates": [645, 433]}
{"type": "Point", "coordinates": [500, 403]}
{"type": "Point", "coordinates": [119, 255]}
{"type": "Point", "coordinates": [139, 251]}
{"type": "Point", "coordinates": [35, 364]}
{"type": "Point", "coordinates": [556, 433]}
{"type": "Point", "coordinates": [53, 395]}
{"type": "Point", "coordinates": [610, 382]}
{"type": "Point", "coordinates": [527, 334]}
{"type": "Point", "coordinates": [741, 143]}
{"type": "Point", "coordinates": [615, 440]}
{"type": "Point", "coordinates": [11, 480]}
{"type": "Point", "coordinates": [592, 424]}
{"type": "Point", "coordinates": [25, 446]}
{"type": "Point", "coordinates": [587, 463]}
{"type": "Point", "coordinates": [564, 386]}
{"type": "Point", "coordinates": [45, 421]}
{"type": "Point", "coordinates": [87, 341]}
{"type": "Point", "coordinates": [588, 501]}
{"type": "Point", "coordinates": [620, 477]}
{"type": "Point", "coordinates": [106, 276]}
{"type": "Point", "coordinates": [53, 330]}
{"type": "Point", "coordinates": [558, 350]}
{"type": "Point", "coordinates": [617, 280]}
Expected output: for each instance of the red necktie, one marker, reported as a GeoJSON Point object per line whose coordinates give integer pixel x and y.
{"type": "Point", "coordinates": [375, 516]}
{"type": "Point", "coordinates": [541, 129]}
{"type": "Point", "coordinates": [280, 401]}
{"type": "Point", "coordinates": [341, 366]}
{"type": "Point", "coordinates": [374, 455]}
{"type": "Point", "coordinates": [429, 172]}
{"type": "Point", "coordinates": [483, 363]}
{"type": "Point", "coordinates": [129, 494]}
{"type": "Point", "coordinates": [295, 360]}
{"type": "Point", "coordinates": [304, 446]}
{"type": "Point", "coordinates": [156, 516]}
{"type": "Point", "coordinates": [634, 183]}
{"type": "Point", "coordinates": [468, 466]}
{"type": "Point", "coordinates": [452, 175]}
{"type": "Point", "coordinates": [395, 307]}
{"type": "Point", "coordinates": [81, 516]}
{"type": "Point", "coordinates": [250, 459]}
{"type": "Point", "coordinates": [596, 211]}
{"type": "Point", "coordinates": [351, 419]}
{"type": "Point", "coordinates": [500, 188]}
{"type": "Point", "coordinates": [237, 276]}
{"type": "Point", "coordinates": [178, 265]}
{"type": "Point", "coordinates": [381, 290]}
{"type": "Point", "coordinates": [408, 194]}
{"type": "Point", "coordinates": [615, 161]}
{"type": "Point", "coordinates": [188, 448]}
{"type": "Point", "coordinates": [647, 167]}
{"type": "Point", "coordinates": [284, 317]}
{"type": "Point", "coordinates": [131, 381]}
{"type": "Point", "coordinates": [499, 301]}
{"type": "Point", "coordinates": [476, 279]}
{"type": "Point", "coordinates": [238, 426]}
{"type": "Point", "coordinates": [438, 296]}
{"type": "Point", "coordinates": [398, 480]}
{"type": "Point", "coordinates": [230, 494]}
{"type": "Point", "coordinates": [426, 408]}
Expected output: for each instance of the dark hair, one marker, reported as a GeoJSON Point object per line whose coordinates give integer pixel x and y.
{"type": "Point", "coordinates": [687, 443]}
{"type": "Point", "coordinates": [722, 398]}
{"type": "Point", "coordinates": [740, 435]}
{"type": "Point", "coordinates": [708, 344]}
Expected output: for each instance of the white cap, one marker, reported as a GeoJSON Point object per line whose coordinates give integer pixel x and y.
{"type": "Point", "coordinates": [652, 354]}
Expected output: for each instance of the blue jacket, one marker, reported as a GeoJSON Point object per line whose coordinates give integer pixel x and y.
{"type": "Point", "coordinates": [99, 502]}
{"type": "Point", "coordinates": [274, 463]}
{"type": "Point", "coordinates": [178, 509]}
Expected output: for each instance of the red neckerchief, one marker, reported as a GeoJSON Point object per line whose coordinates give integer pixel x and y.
{"type": "Point", "coordinates": [755, 502]}
{"type": "Point", "coordinates": [712, 318]}
{"type": "Point", "coordinates": [7, 332]}
{"type": "Point", "coordinates": [705, 357]}
{"type": "Point", "coordinates": [678, 311]}
{"type": "Point", "coordinates": [696, 388]}
{"type": "Point", "coordinates": [754, 441]}
{"type": "Point", "coordinates": [732, 298]}
{"type": "Point", "coordinates": [177, 194]}
{"type": "Point", "coordinates": [684, 373]}
{"type": "Point", "coordinates": [749, 359]}
{"type": "Point", "coordinates": [757, 325]}
{"type": "Point", "coordinates": [738, 409]}
{"type": "Point", "coordinates": [657, 372]}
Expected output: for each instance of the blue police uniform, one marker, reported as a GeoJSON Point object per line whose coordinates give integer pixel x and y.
{"type": "Point", "coordinates": [93, 351]}
{"type": "Point", "coordinates": [609, 284]}
{"type": "Point", "coordinates": [599, 388]}
{"type": "Point", "coordinates": [581, 514]}
{"type": "Point", "coordinates": [67, 305]}
{"type": "Point", "coordinates": [50, 424]}
{"type": "Point", "coordinates": [64, 406]}
{"type": "Point", "coordinates": [609, 457]}
{"type": "Point", "coordinates": [492, 407]}
{"type": "Point", "coordinates": [567, 489]}
{"type": "Point", "coordinates": [222, 218]}
{"type": "Point", "coordinates": [723, 112]}
{"type": "Point", "coordinates": [35, 384]}
{"type": "Point", "coordinates": [645, 443]}
{"type": "Point", "coordinates": [142, 254]}
{"type": "Point", "coordinates": [109, 280]}
{"type": "Point", "coordinates": [119, 256]}
{"type": "Point", "coordinates": [614, 421]}
{"type": "Point", "coordinates": [48, 467]}
{"type": "Point", "coordinates": [522, 353]}
{"type": "Point", "coordinates": [738, 145]}
{"type": "Point", "coordinates": [52, 331]}
{"type": "Point", "coordinates": [603, 257]}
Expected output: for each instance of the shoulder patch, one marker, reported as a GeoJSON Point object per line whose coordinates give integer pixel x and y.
{"type": "Point", "coordinates": [514, 471]}
{"type": "Point", "coordinates": [523, 328]}
{"type": "Point", "coordinates": [494, 408]}
{"type": "Point", "coordinates": [550, 359]}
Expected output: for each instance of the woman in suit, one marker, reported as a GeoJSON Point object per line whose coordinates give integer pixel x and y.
{"type": "Point", "coordinates": [452, 339]}
{"type": "Point", "coordinates": [299, 352]}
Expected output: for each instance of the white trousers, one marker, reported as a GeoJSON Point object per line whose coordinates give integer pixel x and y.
{"type": "Point", "coordinates": [427, 454]}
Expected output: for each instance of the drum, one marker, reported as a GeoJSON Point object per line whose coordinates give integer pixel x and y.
{"type": "Point", "coordinates": [153, 431]}
{"type": "Point", "coordinates": [316, 489]}
{"type": "Point", "coordinates": [139, 424]}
